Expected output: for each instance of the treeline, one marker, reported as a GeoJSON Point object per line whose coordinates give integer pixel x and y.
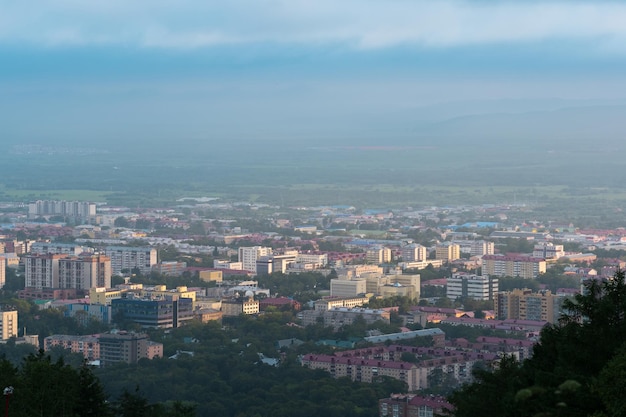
{"type": "Point", "coordinates": [578, 368]}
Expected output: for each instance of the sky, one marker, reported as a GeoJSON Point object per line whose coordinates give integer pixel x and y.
{"type": "Point", "coordinates": [261, 69]}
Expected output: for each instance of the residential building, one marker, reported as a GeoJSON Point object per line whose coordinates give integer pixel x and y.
{"type": "Point", "coordinates": [127, 258]}
{"type": "Point", "coordinates": [88, 346]}
{"type": "Point", "coordinates": [378, 255]}
{"type": "Point", "coordinates": [84, 272]}
{"type": "Point", "coordinates": [478, 287]}
{"type": "Point", "coordinates": [343, 316]}
{"type": "Point", "coordinates": [249, 255]}
{"type": "Point", "coordinates": [527, 305]}
{"type": "Point", "coordinates": [8, 324]}
{"type": "Point", "coordinates": [74, 209]}
{"type": "Point", "coordinates": [45, 248]}
{"type": "Point", "coordinates": [447, 251]}
{"type": "Point", "coordinates": [365, 370]}
{"type": "Point", "coordinates": [414, 253]}
{"type": "Point", "coordinates": [127, 347]}
{"type": "Point", "coordinates": [410, 405]}
{"type": "Point", "coordinates": [83, 312]}
{"type": "Point", "coordinates": [3, 267]}
{"type": "Point", "coordinates": [42, 271]}
{"type": "Point", "coordinates": [513, 266]}
{"type": "Point", "coordinates": [481, 247]}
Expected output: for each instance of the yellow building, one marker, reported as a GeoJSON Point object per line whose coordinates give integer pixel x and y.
{"type": "Point", "coordinates": [448, 252]}
{"type": "Point", "coordinates": [211, 275]}
{"type": "Point", "coordinates": [103, 296]}
{"type": "Point", "coordinates": [8, 324]}
{"type": "Point", "coordinates": [526, 305]}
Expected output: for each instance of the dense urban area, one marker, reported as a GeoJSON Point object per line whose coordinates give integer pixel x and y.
{"type": "Point", "coordinates": [209, 307]}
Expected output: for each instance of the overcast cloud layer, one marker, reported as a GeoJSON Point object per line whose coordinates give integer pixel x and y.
{"type": "Point", "coordinates": [360, 24]}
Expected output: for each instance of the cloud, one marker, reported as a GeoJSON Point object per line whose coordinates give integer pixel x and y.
{"type": "Point", "coordinates": [358, 24]}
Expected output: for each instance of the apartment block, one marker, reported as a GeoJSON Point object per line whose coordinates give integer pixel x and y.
{"type": "Point", "coordinates": [513, 266]}
{"type": "Point", "coordinates": [45, 248]}
{"type": "Point", "coordinates": [448, 252]}
{"type": "Point", "coordinates": [127, 347]}
{"type": "Point", "coordinates": [379, 255]}
{"type": "Point", "coordinates": [364, 370]}
{"type": "Point", "coordinates": [414, 253]}
{"type": "Point", "coordinates": [410, 405]}
{"type": "Point", "coordinates": [3, 267]}
{"type": "Point", "coordinates": [77, 209]}
{"type": "Point", "coordinates": [527, 305]}
{"type": "Point", "coordinates": [481, 248]}
{"type": "Point", "coordinates": [42, 271]}
{"type": "Point", "coordinates": [129, 258]}
{"type": "Point", "coordinates": [478, 287]}
{"type": "Point", "coordinates": [84, 272]}
{"type": "Point", "coordinates": [8, 324]}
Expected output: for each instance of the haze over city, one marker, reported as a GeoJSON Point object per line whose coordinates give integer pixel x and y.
{"type": "Point", "coordinates": [298, 208]}
{"type": "Point", "coordinates": [199, 72]}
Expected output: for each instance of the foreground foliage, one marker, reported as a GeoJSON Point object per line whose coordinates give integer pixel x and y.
{"type": "Point", "coordinates": [578, 367]}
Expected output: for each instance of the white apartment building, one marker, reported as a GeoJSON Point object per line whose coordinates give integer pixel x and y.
{"type": "Point", "coordinates": [8, 324]}
{"type": "Point", "coordinates": [126, 257]}
{"type": "Point", "coordinates": [249, 255]}
{"type": "Point", "coordinates": [42, 271]}
{"type": "Point", "coordinates": [80, 209]}
{"type": "Point", "coordinates": [481, 247]}
{"type": "Point", "coordinates": [478, 287]}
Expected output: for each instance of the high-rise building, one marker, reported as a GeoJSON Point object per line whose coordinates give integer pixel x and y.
{"type": "Point", "coordinates": [42, 271]}
{"type": "Point", "coordinates": [75, 209]}
{"type": "Point", "coordinates": [472, 286]}
{"type": "Point", "coordinates": [3, 267]}
{"type": "Point", "coordinates": [481, 247]}
{"type": "Point", "coordinates": [128, 258]}
{"type": "Point", "coordinates": [8, 324]}
{"type": "Point", "coordinates": [164, 312]}
{"type": "Point", "coordinates": [379, 255]}
{"type": "Point", "coordinates": [85, 272]}
{"type": "Point", "coordinates": [414, 252]}
{"type": "Point", "coordinates": [527, 305]}
{"type": "Point", "coordinates": [448, 252]}
{"type": "Point", "coordinates": [249, 255]}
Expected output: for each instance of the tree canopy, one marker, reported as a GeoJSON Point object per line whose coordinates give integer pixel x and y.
{"type": "Point", "coordinates": [578, 368]}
